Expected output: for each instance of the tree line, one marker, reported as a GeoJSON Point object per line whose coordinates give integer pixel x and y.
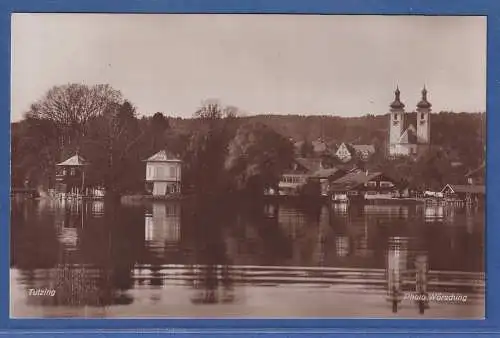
{"type": "Point", "coordinates": [220, 147]}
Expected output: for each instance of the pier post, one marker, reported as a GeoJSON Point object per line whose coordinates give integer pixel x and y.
{"type": "Point", "coordinates": [421, 268]}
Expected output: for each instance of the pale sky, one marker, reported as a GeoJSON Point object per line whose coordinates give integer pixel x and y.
{"type": "Point", "coordinates": [304, 64]}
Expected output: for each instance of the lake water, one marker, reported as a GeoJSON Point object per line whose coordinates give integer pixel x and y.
{"type": "Point", "coordinates": [173, 259]}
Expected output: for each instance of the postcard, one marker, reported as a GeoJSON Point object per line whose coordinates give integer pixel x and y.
{"type": "Point", "coordinates": [247, 166]}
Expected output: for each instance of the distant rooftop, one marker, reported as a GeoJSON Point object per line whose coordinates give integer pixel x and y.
{"type": "Point", "coordinates": [163, 156]}
{"type": "Point", "coordinates": [472, 189]}
{"type": "Point", "coordinates": [74, 161]}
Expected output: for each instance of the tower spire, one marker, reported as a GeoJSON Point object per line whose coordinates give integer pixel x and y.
{"type": "Point", "coordinates": [397, 104]}
{"type": "Point", "coordinates": [424, 103]}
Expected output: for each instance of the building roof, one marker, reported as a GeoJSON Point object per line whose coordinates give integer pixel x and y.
{"type": "Point", "coordinates": [74, 161]}
{"type": "Point", "coordinates": [325, 173]}
{"type": "Point", "coordinates": [311, 164]}
{"type": "Point", "coordinates": [369, 148]}
{"type": "Point", "coordinates": [319, 146]}
{"type": "Point", "coordinates": [469, 188]}
{"type": "Point", "coordinates": [353, 180]}
{"type": "Point", "coordinates": [477, 172]}
{"type": "Point", "coordinates": [163, 156]}
{"type": "Point", "coordinates": [408, 137]}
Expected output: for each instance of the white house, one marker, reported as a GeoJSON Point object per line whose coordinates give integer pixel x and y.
{"type": "Point", "coordinates": [163, 174]}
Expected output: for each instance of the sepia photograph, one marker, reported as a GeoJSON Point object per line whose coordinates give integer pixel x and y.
{"type": "Point", "coordinates": [247, 166]}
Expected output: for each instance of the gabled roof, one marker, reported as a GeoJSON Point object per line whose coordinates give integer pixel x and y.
{"type": "Point", "coordinates": [349, 147]}
{"type": "Point", "coordinates": [319, 146]}
{"type": "Point", "coordinates": [469, 188]}
{"type": "Point", "coordinates": [74, 161]}
{"type": "Point", "coordinates": [369, 148]}
{"type": "Point", "coordinates": [353, 180]}
{"type": "Point", "coordinates": [310, 164]}
{"type": "Point", "coordinates": [408, 137]}
{"type": "Point", "coordinates": [163, 156]}
{"type": "Point", "coordinates": [477, 172]}
{"type": "Point", "coordinates": [325, 173]}
{"type": "Point", "coordinates": [410, 121]}
{"type": "Point", "coordinates": [412, 128]}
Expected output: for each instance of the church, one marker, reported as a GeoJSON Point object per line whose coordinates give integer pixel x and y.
{"type": "Point", "coordinates": [406, 137]}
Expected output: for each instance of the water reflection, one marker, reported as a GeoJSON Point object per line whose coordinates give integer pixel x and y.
{"type": "Point", "coordinates": [103, 255]}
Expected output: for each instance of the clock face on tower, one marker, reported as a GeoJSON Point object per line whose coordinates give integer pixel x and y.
{"type": "Point", "coordinates": [395, 123]}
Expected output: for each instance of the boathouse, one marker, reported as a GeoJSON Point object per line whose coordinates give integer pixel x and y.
{"type": "Point", "coordinates": [466, 193]}
{"type": "Point", "coordinates": [363, 185]}
{"type": "Point", "coordinates": [70, 176]}
{"type": "Point", "coordinates": [297, 176]}
{"type": "Point", "coordinates": [326, 177]}
{"type": "Point", "coordinates": [163, 174]}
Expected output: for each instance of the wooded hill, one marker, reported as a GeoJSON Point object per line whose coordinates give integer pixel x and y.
{"type": "Point", "coordinates": [219, 147]}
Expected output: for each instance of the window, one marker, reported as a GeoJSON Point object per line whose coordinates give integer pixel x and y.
{"type": "Point", "coordinates": [371, 184]}
{"type": "Point", "coordinates": [422, 116]}
{"type": "Point", "coordinates": [172, 171]}
{"type": "Point", "coordinates": [159, 172]}
{"type": "Point", "coordinates": [73, 172]}
{"type": "Point", "coordinates": [395, 117]}
{"type": "Point", "coordinates": [385, 184]}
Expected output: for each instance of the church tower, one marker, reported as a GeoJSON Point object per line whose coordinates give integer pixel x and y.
{"type": "Point", "coordinates": [423, 119]}
{"type": "Point", "coordinates": [397, 120]}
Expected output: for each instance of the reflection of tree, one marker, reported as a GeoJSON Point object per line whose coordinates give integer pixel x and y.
{"type": "Point", "coordinates": [99, 270]}
{"type": "Point", "coordinates": [32, 247]}
{"type": "Point", "coordinates": [213, 274]}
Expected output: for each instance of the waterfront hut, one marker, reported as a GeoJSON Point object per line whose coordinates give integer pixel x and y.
{"type": "Point", "coordinates": [70, 176]}
{"type": "Point", "coordinates": [297, 175]}
{"type": "Point", "coordinates": [363, 185]}
{"type": "Point", "coordinates": [325, 176]}
{"type": "Point", "coordinates": [465, 193]}
{"type": "Point", "coordinates": [163, 174]}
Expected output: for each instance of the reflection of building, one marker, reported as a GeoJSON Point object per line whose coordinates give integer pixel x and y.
{"type": "Point", "coordinates": [342, 246]}
{"type": "Point", "coordinates": [433, 212]}
{"type": "Point", "coordinates": [291, 220]}
{"type": "Point", "coordinates": [163, 174]}
{"type": "Point", "coordinates": [387, 210]}
{"type": "Point", "coordinates": [162, 225]}
{"type": "Point", "coordinates": [68, 218]}
{"type": "Point", "coordinates": [97, 208]}
{"type": "Point", "coordinates": [396, 264]}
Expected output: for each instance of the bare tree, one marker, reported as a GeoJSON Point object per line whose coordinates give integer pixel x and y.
{"type": "Point", "coordinates": [70, 107]}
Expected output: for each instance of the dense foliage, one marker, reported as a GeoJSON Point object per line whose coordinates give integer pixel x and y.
{"type": "Point", "coordinates": [221, 149]}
